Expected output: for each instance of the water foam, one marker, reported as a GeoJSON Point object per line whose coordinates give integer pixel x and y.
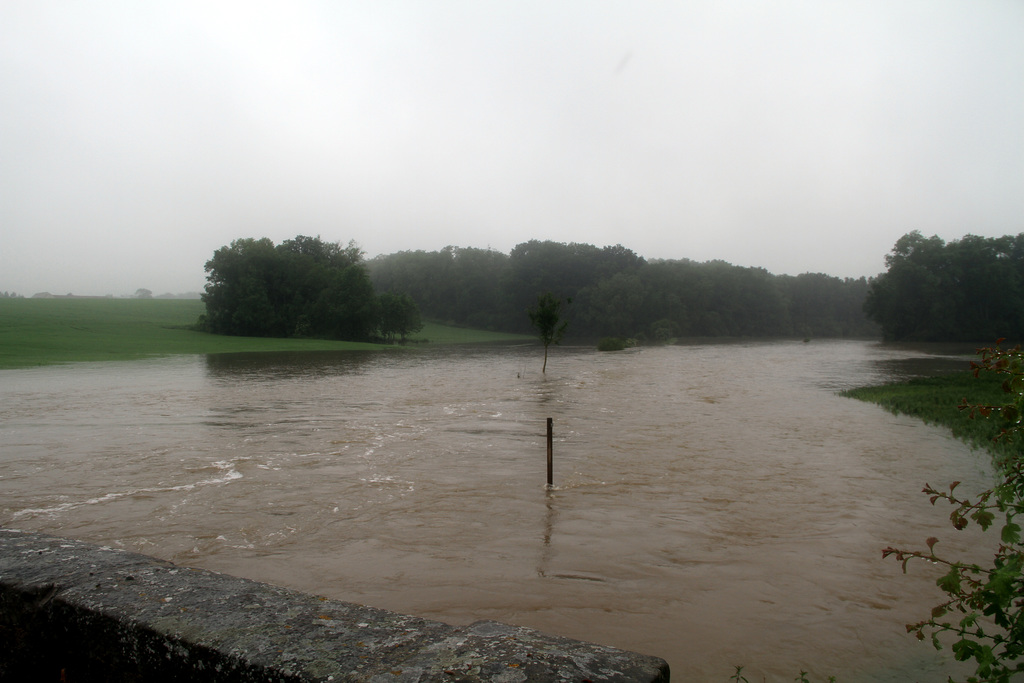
{"type": "Point", "coordinates": [229, 474]}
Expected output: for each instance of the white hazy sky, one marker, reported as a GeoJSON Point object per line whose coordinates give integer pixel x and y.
{"type": "Point", "coordinates": [138, 137]}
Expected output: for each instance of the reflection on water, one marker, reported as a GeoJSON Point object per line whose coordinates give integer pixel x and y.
{"type": "Point", "coordinates": [714, 504]}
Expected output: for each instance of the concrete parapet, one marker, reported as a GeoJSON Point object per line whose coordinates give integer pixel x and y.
{"type": "Point", "coordinates": [75, 612]}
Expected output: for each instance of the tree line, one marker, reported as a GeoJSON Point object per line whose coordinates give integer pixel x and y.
{"type": "Point", "coordinates": [971, 289]}
{"type": "Point", "coordinates": [303, 287]}
{"type": "Point", "coordinates": [615, 292]}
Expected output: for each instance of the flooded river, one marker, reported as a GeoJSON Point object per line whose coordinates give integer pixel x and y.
{"type": "Point", "coordinates": [714, 504]}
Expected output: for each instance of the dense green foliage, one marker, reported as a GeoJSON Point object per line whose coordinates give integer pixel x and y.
{"type": "Point", "coordinates": [613, 343]}
{"type": "Point", "coordinates": [967, 290]}
{"type": "Point", "coordinates": [617, 293]}
{"type": "Point", "coordinates": [303, 287]}
{"type": "Point", "coordinates": [398, 316]}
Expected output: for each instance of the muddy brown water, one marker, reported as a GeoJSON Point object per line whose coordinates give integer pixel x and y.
{"type": "Point", "coordinates": [714, 504]}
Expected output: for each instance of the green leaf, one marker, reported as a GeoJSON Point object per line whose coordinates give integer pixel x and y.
{"type": "Point", "coordinates": [1001, 583]}
{"type": "Point", "coordinates": [984, 518]}
{"type": "Point", "coordinates": [1011, 533]}
{"type": "Point", "coordinates": [965, 649]}
{"type": "Point", "coordinates": [950, 582]}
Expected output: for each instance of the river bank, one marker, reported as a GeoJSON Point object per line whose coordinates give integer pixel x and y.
{"type": "Point", "coordinates": [936, 400]}
{"type": "Point", "coordinates": [38, 332]}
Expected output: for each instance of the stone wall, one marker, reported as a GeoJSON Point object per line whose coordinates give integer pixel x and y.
{"type": "Point", "coordinates": [77, 613]}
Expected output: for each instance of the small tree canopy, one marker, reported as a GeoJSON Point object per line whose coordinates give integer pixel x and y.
{"type": "Point", "coordinates": [398, 315]}
{"type": "Point", "coordinates": [547, 318]}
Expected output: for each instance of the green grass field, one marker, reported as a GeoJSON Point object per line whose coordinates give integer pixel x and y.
{"type": "Point", "coordinates": [47, 331]}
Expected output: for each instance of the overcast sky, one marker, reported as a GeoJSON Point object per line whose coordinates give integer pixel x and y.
{"type": "Point", "coordinates": [138, 137]}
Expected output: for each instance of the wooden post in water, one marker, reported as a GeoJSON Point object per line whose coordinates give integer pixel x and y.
{"type": "Point", "coordinates": [550, 467]}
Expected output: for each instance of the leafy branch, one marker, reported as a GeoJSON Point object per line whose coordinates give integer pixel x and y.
{"type": "Point", "coordinates": [1011, 363]}
{"type": "Point", "coordinates": [984, 611]}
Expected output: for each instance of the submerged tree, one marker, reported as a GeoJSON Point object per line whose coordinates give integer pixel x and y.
{"type": "Point", "coordinates": [547, 318]}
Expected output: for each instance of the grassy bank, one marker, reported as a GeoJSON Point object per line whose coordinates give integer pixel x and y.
{"type": "Point", "coordinates": [935, 400]}
{"type": "Point", "coordinates": [47, 331]}
{"type": "Point", "coordinates": [435, 333]}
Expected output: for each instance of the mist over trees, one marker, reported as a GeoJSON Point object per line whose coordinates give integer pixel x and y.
{"type": "Point", "coordinates": [971, 289]}
{"type": "Point", "coordinates": [617, 293]}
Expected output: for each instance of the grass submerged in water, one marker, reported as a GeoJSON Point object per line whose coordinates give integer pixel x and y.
{"type": "Point", "coordinates": [935, 400]}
